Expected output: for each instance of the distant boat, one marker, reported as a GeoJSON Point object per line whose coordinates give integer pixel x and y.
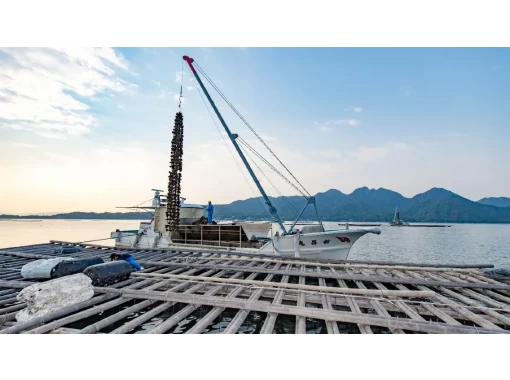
{"type": "Point", "coordinates": [396, 220]}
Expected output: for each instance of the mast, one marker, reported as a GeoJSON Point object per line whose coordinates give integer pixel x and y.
{"type": "Point", "coordinates": [396, 217]}
{"type": "Point", "coordinates": [233, 138]}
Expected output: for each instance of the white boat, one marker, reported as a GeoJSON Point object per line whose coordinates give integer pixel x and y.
{"type": "Point", "coordinates": [316, 242]}
{"type": "Point", "coordinates": [396, 222]}
{"type": "Point", "coordinates": [275, 238]}
{"type": "Point", "coordinates": [253, 237]}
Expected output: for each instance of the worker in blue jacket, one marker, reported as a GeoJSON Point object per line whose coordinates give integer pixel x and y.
{"type": "Point", "coordinates": [127, 257]}
{"type": "Point", "coordinates": [210, 210]}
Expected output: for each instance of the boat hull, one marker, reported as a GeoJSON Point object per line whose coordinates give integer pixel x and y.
{"type": "Point", "coordinates": [328, 245]}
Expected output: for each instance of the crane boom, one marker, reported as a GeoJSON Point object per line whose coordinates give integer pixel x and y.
{"type": "Point", "coordinates": [233, 138]}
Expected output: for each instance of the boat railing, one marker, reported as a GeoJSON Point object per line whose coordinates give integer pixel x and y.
{"type": "Point", "coordinates": [211, 234]}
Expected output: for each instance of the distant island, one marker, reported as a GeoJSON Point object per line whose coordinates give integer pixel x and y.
{"type": "Point", "coordinates": [498, 202]}
{"type": "Point", "coordinates": [362, 205]}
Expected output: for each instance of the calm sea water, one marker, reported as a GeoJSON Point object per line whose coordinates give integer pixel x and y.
{"type": "Point", "coordinates": [459, 244]}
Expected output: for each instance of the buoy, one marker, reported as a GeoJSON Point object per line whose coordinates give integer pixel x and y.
{"type": "Point", "coordinates": [69, 267]}
{"type": "Point", "coordinates": [108, 273]}
{"type": "Point", "coordinates": [43, 268]}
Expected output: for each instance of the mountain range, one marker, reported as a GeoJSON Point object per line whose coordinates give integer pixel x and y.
{"type": "Point", "coordinates": [498, 202]}
{"type": "Point", "coordinates": [436, 205]}
{"type": "Point", "coordinates": [370, 205]}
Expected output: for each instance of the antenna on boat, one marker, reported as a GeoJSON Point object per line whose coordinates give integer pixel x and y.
{"type": "Point", "coordinates": [233, 138]}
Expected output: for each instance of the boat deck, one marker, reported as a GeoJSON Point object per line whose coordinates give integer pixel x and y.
{"type": "Point", "coordinates": [192, 292]}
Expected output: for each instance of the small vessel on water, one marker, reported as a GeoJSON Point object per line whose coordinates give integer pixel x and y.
{"type": "Point", "coordinates": [396, 222]}
{"type": "Point", "coordinates": [276, 237]}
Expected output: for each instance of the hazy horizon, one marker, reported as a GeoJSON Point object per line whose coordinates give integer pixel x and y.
{"type": "Point", "coordinates": [50, 213]}
{"type": "Point", "coordinates": [85, 129]}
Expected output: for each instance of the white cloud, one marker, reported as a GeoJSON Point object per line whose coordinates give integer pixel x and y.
{"type": "Point", "coordinates": [37, 87]}
{"type": "Point", "coordinates": [355, 109]}
{"type": "Point", "coordinates": [328, 125]}
{"type": "Point", "coordinates": [365, 154]}
{"type": "Point", "coordinates": [156, 83]}
{"type": "Point", "coordinates": [163, 94]}
{"type": "Point", "coordinates": [370, 154]}
{"type": "Point", "coordinates": [190, 88]}
{"type": "Point", "coordinates": [398, 145]}
{"type": "Point", "coordinates": [24, 145]}
{"type": "Point", "coordinates": [121, 106]}
{"type": "Point", "coordinates": [332, 154]}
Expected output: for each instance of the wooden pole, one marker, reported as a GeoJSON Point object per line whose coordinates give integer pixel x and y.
{"type": "Point", "coordinates": [161, 308]}
{"type": "Point", "coordinates": [337, 276]}
{"type": "Point", "coordinates": [268, 326]}
{"type": "Point", "coordinates": [331, 326]}
{"type": "Point", "coordinates": [217, 310]}
{"type": "Point", "coordinates": [312, 262]}
{"type": "Point", "coordinates": [124, 313]}
{"type": "Point", "coordinates": [15, 284]}
{"type": "Point", "coordinates": [458, 308]}
{"type": "Point", "coordinates": [339, 316]}
{"type": "Point", "coordinates": [241, 315]}
{"type": "Point", "coordinates": [312, 288]}
{"type": "Point", "coordinates": [134, 323]}
{"type": "Point", "coordinates": [176, 318]}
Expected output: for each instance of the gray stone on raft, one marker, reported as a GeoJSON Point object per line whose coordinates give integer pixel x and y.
{"type": "Point", "coordinates": [43, 268]}
{"type": "Point", "coordinates": [108, 273]}
{"type": "Point", "coordinates": [46, 297]}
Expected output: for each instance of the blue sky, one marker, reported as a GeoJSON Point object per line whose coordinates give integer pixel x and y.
{"type": "Point", "coordinates": [90, 129]}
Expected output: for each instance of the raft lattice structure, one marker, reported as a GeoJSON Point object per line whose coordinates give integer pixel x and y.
{"type": "Point", "coordinates": [192, 292]}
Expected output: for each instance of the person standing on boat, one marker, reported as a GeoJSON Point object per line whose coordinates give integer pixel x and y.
{"type": "Point", "coordinates": [210, 210]}
{"type": "Point", "coordinates": [127, 257]}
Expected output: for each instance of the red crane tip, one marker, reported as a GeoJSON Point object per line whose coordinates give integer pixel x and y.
{"type": "Point", "coordinates": [189, 60]}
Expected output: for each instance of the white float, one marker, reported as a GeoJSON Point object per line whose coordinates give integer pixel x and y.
{"type": "Point", "coordinates": [41, 269]}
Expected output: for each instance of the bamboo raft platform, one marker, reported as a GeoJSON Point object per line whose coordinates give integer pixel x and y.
{"type": "Point", "coordinates": [188, 292]}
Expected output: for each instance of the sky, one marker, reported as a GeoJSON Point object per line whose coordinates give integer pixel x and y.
{"type": "Point", "coordinates": [89, 129]}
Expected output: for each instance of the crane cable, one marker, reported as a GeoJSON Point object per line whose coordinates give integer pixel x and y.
{"type": "Point", "coordinates": [242, 141]}
{"type": "Point", "coordinates": [270, 182]}
{"type": "Point", "coordinates": [248, 125]}
{"type": "Point", "coordinates": [182, 79]}
{"type": "Point", "coordinates": [233, 156]}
